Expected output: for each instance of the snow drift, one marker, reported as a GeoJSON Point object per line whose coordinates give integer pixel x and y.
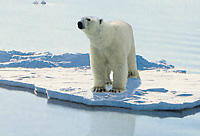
{"type": "Point", "coordinates": [48, 60]}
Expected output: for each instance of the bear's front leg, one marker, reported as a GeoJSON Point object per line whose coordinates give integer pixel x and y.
{"type": "Point", "coordinates": [99, 78]}
{"type": "Point", "coordinates": [120, 74]}
{"type": "Point", "coordinates": [98, 69]}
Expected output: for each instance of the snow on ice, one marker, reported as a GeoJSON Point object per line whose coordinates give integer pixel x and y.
{"type": "Point", "coordinates": [68, 77]}
{"type": "Point", "coordinates": [48, 60]}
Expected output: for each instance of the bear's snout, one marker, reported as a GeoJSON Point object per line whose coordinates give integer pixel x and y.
{"type": "Point", "coordinates": [80, 25]}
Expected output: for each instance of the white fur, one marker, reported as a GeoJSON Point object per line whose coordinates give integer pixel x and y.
{"type": "Point", "coordinates": [112, 49]}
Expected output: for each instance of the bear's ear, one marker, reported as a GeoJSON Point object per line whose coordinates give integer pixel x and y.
{"type": "Point", "coordinates": [100, 21]}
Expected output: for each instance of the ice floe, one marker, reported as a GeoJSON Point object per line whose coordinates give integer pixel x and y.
{"type": "Point", "coordinates": [68, 77]}
{"type": "Point", "coordinates": [157, 90]}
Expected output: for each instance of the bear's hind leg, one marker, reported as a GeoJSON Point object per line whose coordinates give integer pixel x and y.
{"type": "Point", "coordinates": [134, 74]}
{"type": "Point", "coordinates": [107, 76]}
{"type": "Point", "coordinates": [132, 66]}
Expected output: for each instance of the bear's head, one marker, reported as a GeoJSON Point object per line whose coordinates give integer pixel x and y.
{"type": "Point", "coordinates": [90, 25]}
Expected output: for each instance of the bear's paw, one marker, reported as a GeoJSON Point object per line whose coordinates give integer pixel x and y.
{"type": "Point", "coordinates": [109, 83]}
{"type": "Point", "coordinates": [98, 90]}
{"type": "Point", "coordinates": [115, 91]}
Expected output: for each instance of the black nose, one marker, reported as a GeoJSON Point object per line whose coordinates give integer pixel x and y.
{"type": "Point", "coordinates": [80, 25]}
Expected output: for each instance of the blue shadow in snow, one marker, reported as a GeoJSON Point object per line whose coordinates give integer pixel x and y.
{"type": "Point", "coordinates": [66, 60]}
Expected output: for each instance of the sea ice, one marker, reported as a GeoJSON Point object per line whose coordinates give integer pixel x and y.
{"type": "Point", "coordinates": [69, 77]}
{"type": "Point", "coordinates": [157, 90]}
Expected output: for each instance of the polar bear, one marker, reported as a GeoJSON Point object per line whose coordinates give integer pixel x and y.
{"type": "Point", "coordinates": [111, 49]}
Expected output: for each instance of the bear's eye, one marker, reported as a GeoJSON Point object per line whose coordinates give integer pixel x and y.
{"type": "Point", "coordinates": [88, 19]}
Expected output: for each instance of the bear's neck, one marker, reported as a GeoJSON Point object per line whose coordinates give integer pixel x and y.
{"type": "Point", "coordinates": [102, 38]}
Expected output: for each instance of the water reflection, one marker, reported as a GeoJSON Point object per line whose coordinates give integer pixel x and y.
{"type": "Point", "coordinates": [158, 113]}
{"type": "Point", "coordinates": [111, 124]}
{"type": "Point", "coordinates": [104, 121]}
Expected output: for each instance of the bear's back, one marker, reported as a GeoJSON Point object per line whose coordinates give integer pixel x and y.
{"type": "Point", "coordinates": [120, 26]}
{"type": "Point", "coordinates": [119, 23]}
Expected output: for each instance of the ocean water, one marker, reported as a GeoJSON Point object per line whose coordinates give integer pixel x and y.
{"type": "Point", "coordinates": [163, 29]}
{"type": "Point", "coordinates": [22, 114]}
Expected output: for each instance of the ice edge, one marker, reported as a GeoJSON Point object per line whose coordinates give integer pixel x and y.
{"type": "Point", "coordinates": [73, 98]}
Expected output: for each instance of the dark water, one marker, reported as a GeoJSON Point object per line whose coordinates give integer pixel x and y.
{"type": "Point", "coordinates": [24, 114]}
